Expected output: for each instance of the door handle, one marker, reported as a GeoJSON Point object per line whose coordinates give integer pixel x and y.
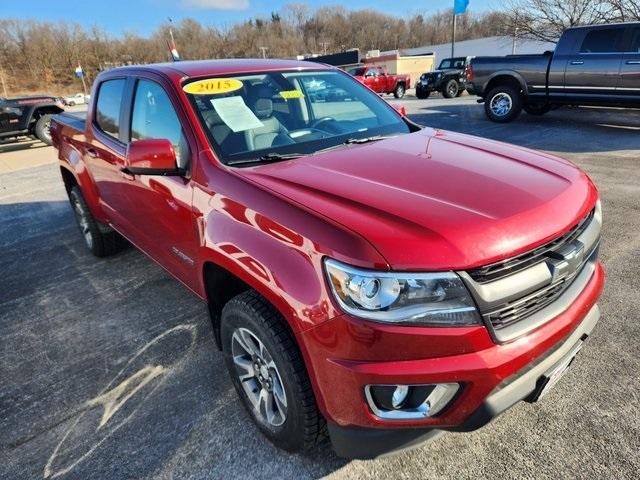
{"type": "Point", "coordinates": [577, 62]}
{"type": "Point", "coordinates": [92, 152]}
{"type": "Point", "coordinates": [633, 62]}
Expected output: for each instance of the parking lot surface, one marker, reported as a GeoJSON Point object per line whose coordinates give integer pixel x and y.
{"type": "Point", "coordinates": [108, 367]}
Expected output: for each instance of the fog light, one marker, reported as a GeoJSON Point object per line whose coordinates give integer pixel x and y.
{"type": "Point", "coordinates": [399, 395]}
{"type": "Point", "coordinates": [409, 402]}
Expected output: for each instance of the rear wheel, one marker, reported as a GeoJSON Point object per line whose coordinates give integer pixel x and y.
{"type": "Point", "coordinates": [268, 373]}
{"type": "Point", "coordinates": [399, 91]}
{"type": "Point", "coordinates": [537, 108]}
{"type": "Point", "coordinates": [451, 89]}
{"type": "Point", "coordinates": [43, 129]}
{"type": "Point", "coordinates": [100, 239]}
{"type": "Point", "coordinates": [503, 104]}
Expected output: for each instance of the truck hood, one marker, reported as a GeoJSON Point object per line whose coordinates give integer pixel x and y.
{"type": "Point", "coordinates": [436, 200]}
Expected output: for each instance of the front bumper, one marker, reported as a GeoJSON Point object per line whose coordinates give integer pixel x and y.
{"type": "Point", "coordinates": [346, 354]}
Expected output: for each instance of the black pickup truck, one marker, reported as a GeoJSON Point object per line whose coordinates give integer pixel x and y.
{"type": "Point", "coordinates": [595, 65]}
{"type": "Point", "coordinates": [28, 116]}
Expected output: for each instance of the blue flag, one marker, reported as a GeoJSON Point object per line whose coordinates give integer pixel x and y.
{"type": "Point", "coordinates": [460, 6]}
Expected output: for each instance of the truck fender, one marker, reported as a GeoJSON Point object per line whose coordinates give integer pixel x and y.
{"type": "Point", "coordinates": [71, 160]}
{"type": "Point", "coordinates": [508, 75]}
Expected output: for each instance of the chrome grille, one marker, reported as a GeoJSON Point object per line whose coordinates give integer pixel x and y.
{"type": "Point", "coordinates": [498, 270]}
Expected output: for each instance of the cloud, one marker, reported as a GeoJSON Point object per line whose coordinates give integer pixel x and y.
{"type": "Point", "coordinates": [217, 4]}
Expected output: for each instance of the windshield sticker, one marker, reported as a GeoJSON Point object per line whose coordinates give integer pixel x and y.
{"type": "Point", "coordinates": [235, 113]}
{"type": "Point", "coordinates": [213, 86]}
{"type": "Point", "coordinates": [289, 94]}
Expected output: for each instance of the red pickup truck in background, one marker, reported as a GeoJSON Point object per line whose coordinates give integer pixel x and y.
{"type": "Point", "coordinates": [365, 277]}
{"type": "Point", "coordinates": [380, 81]}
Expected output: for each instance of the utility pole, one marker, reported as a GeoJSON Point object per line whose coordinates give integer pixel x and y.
{"type": "Point", "coordinates": [264, 51]}
{"type": "Point", "coordinates": [4, 85]}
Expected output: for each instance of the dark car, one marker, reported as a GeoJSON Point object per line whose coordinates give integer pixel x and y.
{"type": "Point", "coordinates": [596, 65]}
{"type": "Point", "coordinates": [448, 79]}
{"type": "Point", "coordinates": [28, 116]}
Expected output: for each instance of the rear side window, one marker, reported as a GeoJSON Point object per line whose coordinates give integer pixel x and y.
{"type": "Point", "coordinates": [608, 40]}
{"type": "Point", "coordinates": [108, 106]}
{"type": "Point", "coordinates": [635, 41]}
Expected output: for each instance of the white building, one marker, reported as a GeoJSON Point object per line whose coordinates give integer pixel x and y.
{"type": "Point", "coordinates": [488, 46]}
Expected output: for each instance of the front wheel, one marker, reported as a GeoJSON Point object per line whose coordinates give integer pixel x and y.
{"type": "Point", "coordinates": [268, 373]}
{"type": "Point", "coordinates": [451, 89]}
{"type": "Point", "coordinates": [503, 104]}
{"type": "Point", "coordinates": [399, 91]}
{"type": "Point", "coordinates": [43, 129]}
{"type": "Point", "coordinates": [422, 94]}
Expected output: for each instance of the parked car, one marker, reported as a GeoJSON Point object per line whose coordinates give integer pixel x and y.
{"type": "Point", "coordinates": [448, 79]}
{"type": "Point", "coordinates": [77, 99]}
{"type": "Point", "coordinates": [366, 277]}
{"type": "Point", "coordinates": [28, 116]}
{"type": "Point", "coordinates": [595, 65]}
{"type": "Point", "coordinates": [380, 81]}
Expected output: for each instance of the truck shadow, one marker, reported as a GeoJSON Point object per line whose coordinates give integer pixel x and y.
{"type": "Point", "coordinates": [567, 129]}
{"type": "Point", "coordinates": [22, 144]}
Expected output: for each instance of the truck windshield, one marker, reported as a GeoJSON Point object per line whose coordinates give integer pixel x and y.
{"type": "Point", "coordinates": [250, 116]}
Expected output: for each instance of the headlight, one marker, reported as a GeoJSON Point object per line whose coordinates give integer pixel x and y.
{"type": "Point", "coordinates": [407, 298]}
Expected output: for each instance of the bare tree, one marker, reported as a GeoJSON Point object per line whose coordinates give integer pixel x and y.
{"type": "Point", "coordinates": [625, 10]}
{"type": "Point", "coordinates": [547, 19]}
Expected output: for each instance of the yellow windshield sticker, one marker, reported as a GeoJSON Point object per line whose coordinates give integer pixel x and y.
{"type": "Point", "coordinates": [213, 86]}
{"type": "Point", "coordinates": [288, 94]}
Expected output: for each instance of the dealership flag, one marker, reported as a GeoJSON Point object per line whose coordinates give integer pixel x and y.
{"type": "Point", "coordinates": [79, 71]}
{"type": "Point", "coordinates": [460, 6]}
{"type": "Point", "coordinates": [174, 51]}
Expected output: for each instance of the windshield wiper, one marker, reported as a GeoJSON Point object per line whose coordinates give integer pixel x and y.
{"type": "Point", "coordinates": [268, 157]}
{"type": "Point", "coordinates": [375, 138]}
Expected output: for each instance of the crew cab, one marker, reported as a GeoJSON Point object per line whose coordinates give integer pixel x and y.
{"type": "Point", "coordinates": [380, 81]}
{"type": "Point", "coordinates": [365, 277]}
{"type": "Point", "coordinates": [597, 65]}
{"type": "Point", "coordinates": [448, 79]}
{"type": "Point", "coordinates": [28, 116]}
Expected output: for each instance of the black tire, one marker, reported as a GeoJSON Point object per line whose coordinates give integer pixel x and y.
{"type": "Point", "coordinates": [451, 89]}
{"type": "Point", "coordinates": [461, 91]}
{"type": "Point", "coordinates": [304, 427]}
{"type": "Point", "coordinates": [422, 94]}
{"type": "Point", "coordinates": [536, 109]}
{"type": "Point", "coordinates": [399, 91]}
{"type": "Point", "coordinates": [101, 240]}
{"type": "Point", "coordinates": [42, 131]}
{"type": "Point", "coordinates": [512, 105]}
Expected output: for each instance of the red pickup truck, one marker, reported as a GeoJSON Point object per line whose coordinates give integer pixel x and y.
{"type": "Point", "coordinates": [380, 81]}
{"type": "Point", "coordinates": [365, 277]}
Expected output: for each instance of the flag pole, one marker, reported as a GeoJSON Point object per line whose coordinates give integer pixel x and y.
{"type": "Point", "coordinates": [453, 35]}
{"type": "Point", "coordinates": [84, 85]}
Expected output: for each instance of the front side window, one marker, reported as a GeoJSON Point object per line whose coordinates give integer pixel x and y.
{"type": "Point", "coordinates": [250, 115]}
{"type": "Point", "coordinates": [635, 41]}
{"type": "Point", "coordinates": [154, 117]}
{"type": "Point", "coordinates": [108, 106]}
{"type": "Point", "coordinates": [608, 40]}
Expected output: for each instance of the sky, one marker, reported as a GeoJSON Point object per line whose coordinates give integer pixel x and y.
{"type": "Point", "coordinates": [143, 16]}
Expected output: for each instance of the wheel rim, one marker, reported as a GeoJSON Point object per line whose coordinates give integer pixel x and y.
{"type": "Point", "coordinates": [46, 131]}
{"type": "Point", "coordinates": [259, 377]}
{"type": "Point", "coordinates": [400, 91]}
{"type": "Point", "coordinates": [501, 104]}
{"type": "Point", "coordinates": [83, 223]}
{"type": "Point", "coordinates": [453, 89]}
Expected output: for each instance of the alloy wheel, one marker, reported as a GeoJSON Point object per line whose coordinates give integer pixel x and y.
{"type": "Point", "coordinates": [501, 104]}
{"type": "Point", "coordinates": [83, 222]}
{"type": "Point", "coordinates": [259, 377]}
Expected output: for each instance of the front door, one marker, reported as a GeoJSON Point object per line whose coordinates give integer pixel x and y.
{"type": "Point", "coordinates": [160, 207]}
{"type": "Point", "coordinates": [595, 68]}
{"type": "Point", "coordinates": [630, 70]}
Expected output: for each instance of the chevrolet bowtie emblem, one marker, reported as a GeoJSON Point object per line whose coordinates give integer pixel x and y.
{"type": "Point", "coordinates": [565, 262]}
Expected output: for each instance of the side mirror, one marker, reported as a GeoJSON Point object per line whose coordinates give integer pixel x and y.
{"type": "Point", "coordinates": [400, 109]}
{"type": "Point", "coordinates": [152, 156]}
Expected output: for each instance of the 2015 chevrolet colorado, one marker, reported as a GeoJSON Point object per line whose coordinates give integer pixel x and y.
{"type": "Point", "coordinates": [365, 276]}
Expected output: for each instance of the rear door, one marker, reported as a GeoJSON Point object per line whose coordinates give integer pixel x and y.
{"type": "Point", "coordinates": [372, 79]}
{"type": "Point", "coordinates": [594, 68]}
{"type": "Point", "coordinates": [630, 70]}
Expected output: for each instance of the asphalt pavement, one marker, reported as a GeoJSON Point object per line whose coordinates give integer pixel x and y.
{"type": "Point", "coordinates": [108, 368]}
